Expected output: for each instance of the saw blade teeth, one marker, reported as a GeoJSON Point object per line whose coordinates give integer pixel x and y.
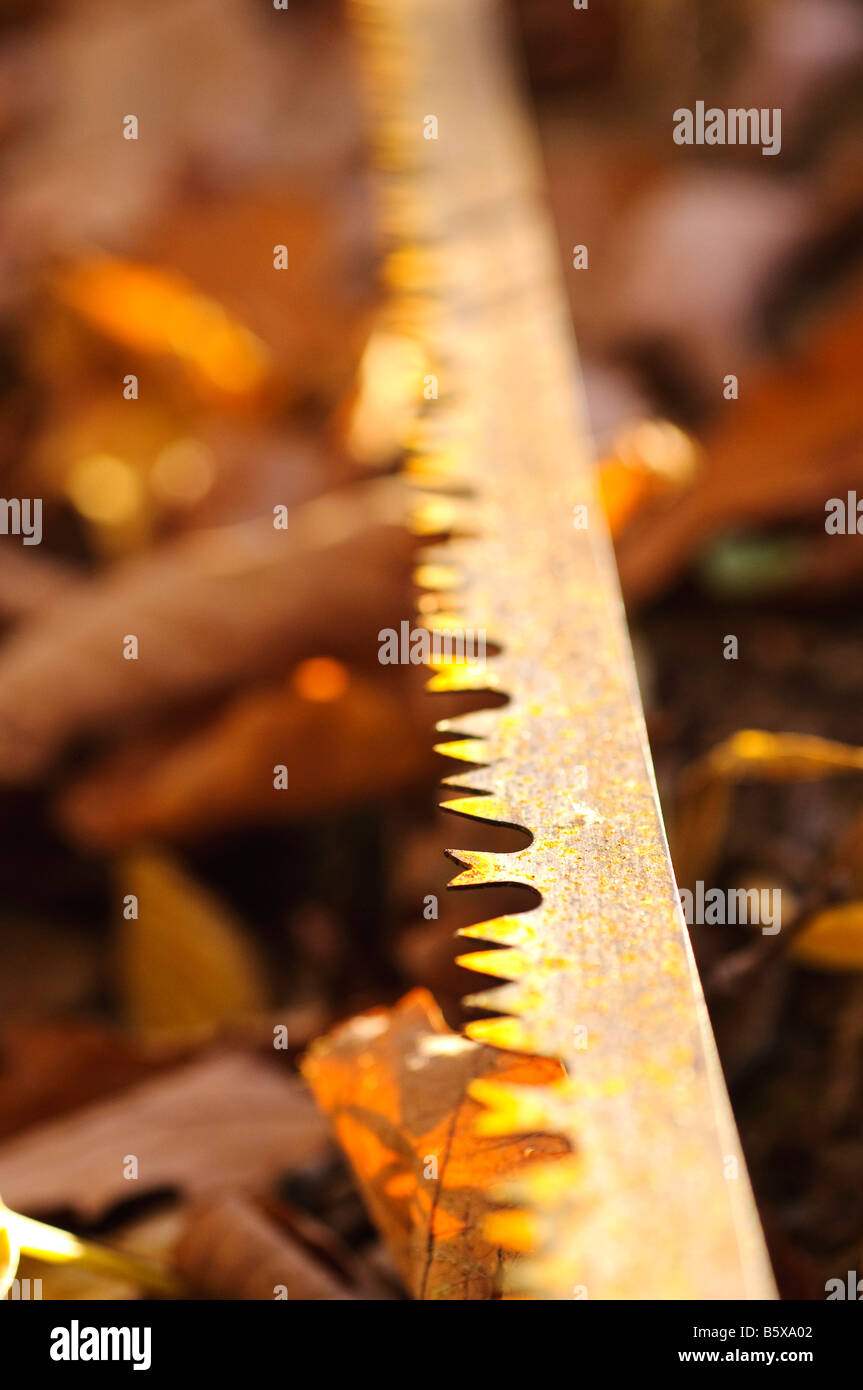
{"type": "Point", "coordinates": [518, 999]}
{"type": "Point", "coordinates": [474, 273]}
{"type": "Point", "coordinates": [439, 514]}
{"type": "Point", "coordinates": [437, 577]}
{"type": "Point", "coordinates": [437, 468]}
{"type": "Point", "coordinates": [478, 724]}
{"type": "Point", "coordinates": [470, 781]}
{"type": "Point", "coordinates": [514, 1229]}
{"type": "Point", "coordinates": [506, 964]}
{"type": "Point", "coordinates": [445, 620]}
{"type": "Point", "coordinates": [509, 1034]}
{"type": "Point", "coordinates": [512, 1109]}
{"type": "Point", "coordinates": [483, 807]}
{"type": "Point", "coordinates": [465, 750]}
{"type": "Point", "coordinates": [462, 676]}
{"type": "Point", "coordinates": [436, 558]}
{"type": "Point", "coordinates": [544, 1184]}
{"type": "Point", "coordinates": [515, 930]}
{"type": "Point", "coordinates": [481, 868]}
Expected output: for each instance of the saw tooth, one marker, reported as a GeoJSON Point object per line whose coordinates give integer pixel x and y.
{"type": "Point", "coordinates": [517, 1230]}
{"type": "Point", "coordinates": [515, 998]}
{"type": "Point", "coordinates": [535, 1201]}
{"type": "Point", "coordinates": [438, 468]}
{"type": "Point", "coordinates": [481, 868]}
{"type": "Point", "coordinates": [437, 577]}
{"type": "Point", "coordinates": [438, 557]}
{"type": "Point", "coordinates": [438, 514]}
{"type": "Point", "coordinates": [513, 1109]}
{"type": "Point", "coordinates": [446, 620]}
{"type": "Point", "coordinates": [506, 964]}
{"type": "Point", "coordinates": [466, 750]}
{"type": "Point", "coordinates": [515, 930]}
{"type": "Point", "coordinates": [483, 807]}
{"type": "Point", "coordinates": [462, 676]}
{"type": "Point", "coordinates": [470, 781]}
{"type": "Point", "coordinates": [543, 1184]}
{"type": "Point", "coordinates": [479, 724]}
{"type": "Point", "coordinates": [508, 1034]}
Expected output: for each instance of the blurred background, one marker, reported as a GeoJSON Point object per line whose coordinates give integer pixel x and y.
{"type": "Point", "coordinates": [163, 391]}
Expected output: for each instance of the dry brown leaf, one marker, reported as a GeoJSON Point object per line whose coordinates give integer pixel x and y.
{"type": "Point", "coordinates": [222, 775]}
{"type": "Point", "coordinates": [28, 582]}
{"type": "Point", "coordinates": [49, 1069]}
{"type": "Point", "coordinates": [186, 964]}
{"type": "Point", "coordinates": [250, 112]}
{"type": "Point", "coordinates": [791, 442]}
{"type": "Point", "coordinates": [208, 610]}
{"type": "Point", "coordinates": [315, 315]}
{"type": "Point", "coordinates": [750, 755]}
{"type": "Point", "coordinates": [229, 1249]}
{"type": "Point", "coordinates": [395, 1082]}
{"type": "Point", "coordinates": [231, 1120]}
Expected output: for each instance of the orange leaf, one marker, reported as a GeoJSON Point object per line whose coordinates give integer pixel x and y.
{"type": "Point", "coordinates": [396, 1085]}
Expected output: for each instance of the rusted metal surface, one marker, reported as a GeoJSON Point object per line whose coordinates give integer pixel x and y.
{"type": "Point", "coordinates": [655, 1202]}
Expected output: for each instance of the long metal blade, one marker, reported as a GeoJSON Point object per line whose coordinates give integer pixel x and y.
{"type": "Point", "coordinates": [656, 1201]}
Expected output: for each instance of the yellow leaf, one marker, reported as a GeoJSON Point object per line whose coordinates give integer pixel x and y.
{"type": "Point", "coordinates": [748, 756]}
{"type": "Point", "coordinates": [9, 1255]}
{"type": "Point", "coordinates": [159, 311]}
{"type": "Point", "coordinates": [185, 963]}
{"type": "Point", "coordinates": [833, 939]}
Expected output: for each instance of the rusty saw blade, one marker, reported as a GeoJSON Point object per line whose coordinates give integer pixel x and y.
{"type": "Point", "coordinates": [655, 1201]}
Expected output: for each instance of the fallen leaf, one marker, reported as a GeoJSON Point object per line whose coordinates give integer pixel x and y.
{"type": "Point", "coordinates": [50, 1069]}
{"type": "Point", "coordinates": [208, 611]}
{"type": "Point", "coordinates": [704, 806]}
{"type": "Point", "coordinates": [226, 1121]}
{"type": "Point", "coordinates": [155, 310]}
{"type": "Point", "coordinates": [395, 1082]}
{"type": "Point", "coordinates": [832, 939]}
{"type": "Point", "coordinates": [314, 316]}
{"type": "Point", "coordinates": [230, 1249]}
{"type": "Point", "coordinates": [28, 582]}
{"type": "Point", "coordinates": [800, 421]}
{"type": "Point", "coordinates": [221, 775]}
{"type": "Point", "coordinates": [186, 964]}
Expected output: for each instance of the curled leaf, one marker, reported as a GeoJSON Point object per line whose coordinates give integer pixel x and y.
{"type": "Point", "coordinates": [222, 774]}
{"type": "Point", "coordinates": [174, 1125]}
{"type": "Point", "coordinates": [210, 611]}
{"type": "Point", "coordinates": [186, 963]}
{"type": "Point", "coordinates": [832, 939]}
{"type": "Point", "coordinates": [401, 1090]}
{"type": "Point", "coordinates": [230, 1249]}
{"type": "Point", "coordinates": [748, 756]}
